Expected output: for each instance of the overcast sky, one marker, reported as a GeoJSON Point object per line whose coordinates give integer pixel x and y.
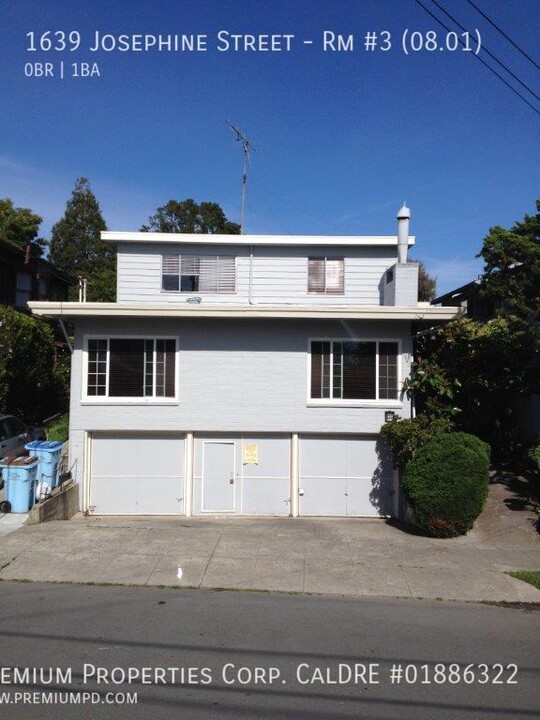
{"type": "Point", "coordinates": [340, 138]}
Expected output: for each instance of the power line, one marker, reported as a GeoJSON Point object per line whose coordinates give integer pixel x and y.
{"type": "Point", "coordinates": [513, 89]}
{"type": "Point", "coordinates": [490, 21]}
{"type": "Point", "coordinates": [491, 55]}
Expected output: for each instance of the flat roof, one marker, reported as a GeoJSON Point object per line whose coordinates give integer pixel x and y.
{"type": "Point", "coordinates": [212, 310]}
{"type": "Point", "coordinates": [291, 240]}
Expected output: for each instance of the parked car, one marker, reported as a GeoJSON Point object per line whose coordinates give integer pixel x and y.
{"type": "Point", "coordinates": [14, 435]}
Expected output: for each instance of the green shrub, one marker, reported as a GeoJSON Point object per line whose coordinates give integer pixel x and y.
{"type": "Point", "coordinates": [58, 429]}
{"type": "Point", "coordinates": [406, 437]}
{"type": "Point", "coordinates": [534, 457]}
{"type": "Point", "coordinates": [447, 483]}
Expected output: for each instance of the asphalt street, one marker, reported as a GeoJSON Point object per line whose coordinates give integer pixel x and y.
{"type": "Point", "coordinates": [79, 651]}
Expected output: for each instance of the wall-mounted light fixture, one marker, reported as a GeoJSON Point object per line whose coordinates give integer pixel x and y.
{"type": "Point", "coordinates": [389, 415]}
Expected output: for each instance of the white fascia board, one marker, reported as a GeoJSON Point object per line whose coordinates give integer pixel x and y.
{"type": "Point", "coordinates": [290, 240]}
{"type": "Point", "coordinates": [175, 310]}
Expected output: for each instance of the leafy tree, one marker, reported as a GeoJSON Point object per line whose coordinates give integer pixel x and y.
{"type": "Point", "coordinates": [473, 373]}
{"type": "Point", "coordinates": [30, 385]}
{"type": "Point", "coordinates": [512, 267]}
{"type": "Point", "coordinates": [426, 284]}
{"type": "Point", "coordinates": [187, 216]}
{"type": "Point", "coordinates": [20, 226]}
{"type": "Point", "coordinates": [77, 248]}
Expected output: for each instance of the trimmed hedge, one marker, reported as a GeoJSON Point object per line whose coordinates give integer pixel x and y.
{"type": "Point", "coordinates": [447, 483]}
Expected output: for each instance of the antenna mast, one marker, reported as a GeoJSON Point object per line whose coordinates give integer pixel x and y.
{"type": "Point", "coordinates": [246, 148]}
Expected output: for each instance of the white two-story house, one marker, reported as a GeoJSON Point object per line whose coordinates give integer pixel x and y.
{"type": "Point", "coordinates": [243, 375]}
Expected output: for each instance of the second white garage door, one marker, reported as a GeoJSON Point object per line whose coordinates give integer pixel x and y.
{"type": "Point", "coordinates": [137, 475]}
{"type": "Point", "coordinates": [350, 476]}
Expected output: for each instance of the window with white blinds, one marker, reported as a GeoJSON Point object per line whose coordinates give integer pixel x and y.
{"type": "Point", "coordinates": [326, 275]}
{"type": "Point", "coordinates": [198, 273]}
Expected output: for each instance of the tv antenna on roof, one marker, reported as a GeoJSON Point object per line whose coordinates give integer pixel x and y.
{"type": "Point", "coordinates": [247, 147]}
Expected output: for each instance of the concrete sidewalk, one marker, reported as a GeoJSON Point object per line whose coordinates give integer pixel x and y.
{"type": "Point", "coordinates": [336, 556]}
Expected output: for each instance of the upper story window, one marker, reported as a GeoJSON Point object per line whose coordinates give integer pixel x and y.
{"type": "Point", "coordinates": [43, 288]}
{"type": "Point", "coordinates": [354, 370]}
{"type": "Point", "coordinates": [131, 368]}
{"type": "Point", "coordinates": [326, 275]}
{"type": "Point", "coordinates": [23, 290]}
{"type": "Point", "coordinates": [198, 273]}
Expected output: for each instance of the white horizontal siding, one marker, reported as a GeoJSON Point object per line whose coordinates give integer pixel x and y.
{"type": "Point", "coordinates": [279, 274]}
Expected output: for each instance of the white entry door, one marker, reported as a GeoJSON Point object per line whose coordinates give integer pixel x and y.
{"type": "Point", "coordinates": [219, 476]}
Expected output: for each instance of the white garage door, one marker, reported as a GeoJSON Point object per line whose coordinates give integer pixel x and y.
{"type": "Point", "coordinates": [137, 475]}
{"type": "Point", "coordinates": [345, 477]}
{"type": "Point", "coordinates": [242, 475]}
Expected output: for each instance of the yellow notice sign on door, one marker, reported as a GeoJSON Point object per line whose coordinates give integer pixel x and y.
{"type": "Point", "coordinates": [251, 454]}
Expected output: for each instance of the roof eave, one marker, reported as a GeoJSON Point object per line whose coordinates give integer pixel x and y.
{"type": "Point", "coordinates": [73, 310]}
{"type": "Point", "coordinates": [215, 239]}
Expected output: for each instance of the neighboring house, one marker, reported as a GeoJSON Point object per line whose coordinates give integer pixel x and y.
{"type": "Point", "coordinates": [24, 278]}
{"type": "Point", "coordinates": [243, 374]}
{"type": "Point", "coordinates": [469, 298]}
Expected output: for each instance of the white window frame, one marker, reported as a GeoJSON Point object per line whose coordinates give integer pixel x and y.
{"type": "Point", "coordinates": [197, 292]}
{"type": "Point", "coordinates": [106, 399]}
{"type": "Point", "coordinates": [396, 403]}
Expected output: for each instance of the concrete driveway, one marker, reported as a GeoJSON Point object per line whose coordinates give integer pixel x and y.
{"type": "Point", "coordinates": [335, 556]}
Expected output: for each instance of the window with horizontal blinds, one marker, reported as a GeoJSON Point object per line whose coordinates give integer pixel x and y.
{"type": "Point", "coordinates": [170, 272]}
{"type": "Point", "coordinates": [354, 370]}
{"type": "Point", "coordinates": [359, 370]}
{"type": "Point", "coordinates": [131, 367]}
{"type": "Point", "coordinates": [126, 368]}
{"type": "Point", "coordinates": [326, 275]}
{"type": "Point", "coordinates": [199, 273]}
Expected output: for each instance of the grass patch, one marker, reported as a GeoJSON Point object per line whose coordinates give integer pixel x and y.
{"type": "Point", "coordinates": [58, 429]}
{"type": "Point", "coordinates": [529, 576]}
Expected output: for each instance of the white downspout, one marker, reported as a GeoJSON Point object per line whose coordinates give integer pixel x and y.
{"type": "Point", "coordinates": [250, 285]}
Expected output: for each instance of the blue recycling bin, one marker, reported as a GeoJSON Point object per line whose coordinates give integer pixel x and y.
{"type": "Point", "coordinates": [20, 475]}
{"type": "Point", "coordinates": [48, 454]}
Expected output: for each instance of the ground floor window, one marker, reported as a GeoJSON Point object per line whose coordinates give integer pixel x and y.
{"type": "Point", "coordinates": [354, 369]}
{"type": "Point", "coordinates": [131, 367]}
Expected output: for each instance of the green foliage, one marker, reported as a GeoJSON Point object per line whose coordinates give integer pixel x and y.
{"type": "Point", "coordinates": [534, 457]}
{"type": "Point", "coordinates": [406, 437]}
{"type": "Point", "coordinates": [28, 383]}
{"type": "Point", "coordinates": [187, 216]}
{"type": "Point", "coordinates": [58, 429]}
{"type": "Point", "coordinates": [20, 226]}
{"type": "Point", "coordinates": [512, 267]}
{"type": "Point", "coordinates": [76, 246]}
{"type": "Point", "coordinates": [447, 483]}
{"type": "Point", "coordinates": [473, 372]}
